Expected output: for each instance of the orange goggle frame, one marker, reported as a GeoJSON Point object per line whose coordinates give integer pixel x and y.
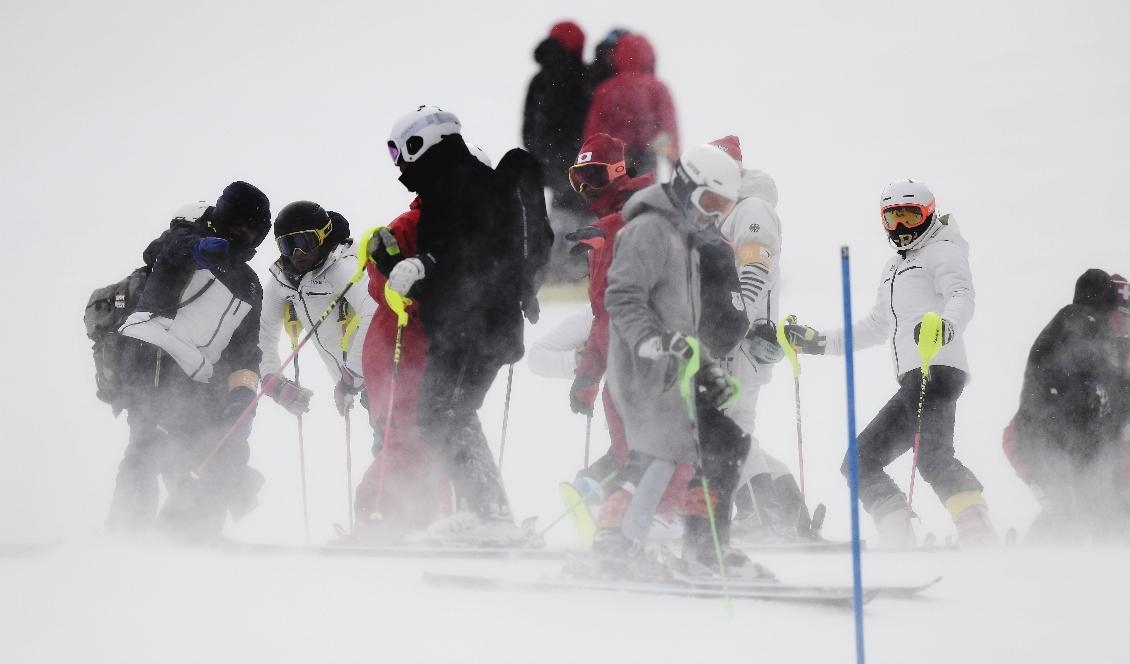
{"type": "Point", "coordinates": [906, 215]}
{"type": "Point", "coordinates": [593, 175]}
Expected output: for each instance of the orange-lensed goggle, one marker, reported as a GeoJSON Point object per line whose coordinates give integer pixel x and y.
{"type": "Point", "coordinates": [593, 175]}
{"type": "Point", "coordinates": [907, 216]}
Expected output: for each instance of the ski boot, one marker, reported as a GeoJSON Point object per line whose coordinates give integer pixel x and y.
{"type": "Point", "coordinates": [893, 522]}
{"type": "Point", "coordinates": [971, 517]}
{"type": "Point", "coordinates": [469, 529]}
{"type": "Point", "coordinates": [617, 556]}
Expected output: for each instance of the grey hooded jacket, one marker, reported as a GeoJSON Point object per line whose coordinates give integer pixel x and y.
{"type": "Point", "coordinates": [653, 288]}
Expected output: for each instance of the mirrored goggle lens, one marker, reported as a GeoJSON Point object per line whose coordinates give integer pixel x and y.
{"type": "Point", "coordinates": [591, 176]}
{"type": "Point", "coordinates": [393, 152]}
{"type": "Point", "coordinates": [306, 241]}
{"type": "Point", "coordinates": [713, 203]}
{"type": "Point", "coordinates": [907, 216]}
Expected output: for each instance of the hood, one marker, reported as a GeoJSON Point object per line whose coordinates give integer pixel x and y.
{"type": "Point", "coordinates": [651, 199]}
{"type": "Point", "coordinates": [634, 54]}
{"type": "Point", "coordinates": [551, 55]}
{"type": "Point", "coordinates": [943, 229]}
{"type": "Point", "coordinates": [758, 184]}
{"type": "Point", "coordinates": [618, 192]}
{"type": "Point", "coordinates": [1095, 290]}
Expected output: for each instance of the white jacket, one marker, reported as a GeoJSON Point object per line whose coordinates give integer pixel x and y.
{"type": "Point", "coordinates": [554, 354]}
{"type": "Point", "coordinates": [315, 292]}
{"type": "Point", "coordinates": [205, 321]}
{"type": "Point", "coordinates": [754, 231]}
{"type": "Point", "coordinates": [934, 276]}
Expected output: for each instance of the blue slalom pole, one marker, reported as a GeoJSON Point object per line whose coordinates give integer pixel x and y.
{"type": "Point", "coordinates": [853, 457]}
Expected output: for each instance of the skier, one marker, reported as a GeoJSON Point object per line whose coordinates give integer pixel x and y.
{"type": "Point", "coordinates": [929, 273]}
{"type": "Point", "coordinates": [474, 275]}
{"type": "Point", "coordinates": [654, 302]}
{"type": "Point", "coordinates": [404, 488]}
{"type": "Point", "coordinates": [1067, 430]}
{"type": "Point", "coordinates": [197, 320]}
{"type": "Point", "coordinates": [603, 66]}
{"type": "Point", "coordinates": [769, 502]}
{"type": "Point", "coordinates": [636, 107]}
{"type": "Point", "coordinates": [317, 259]}
{"type": "Point", "coordinates": [556, 104]}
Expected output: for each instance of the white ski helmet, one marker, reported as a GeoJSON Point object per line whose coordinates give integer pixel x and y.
{"type": "Point", "coordinates": [419, 130]}
{"type": "Point", "coordinates": [704, 184]}
{"type": "Point", "coordinates": [191, 211]}
{"type": "Point", "coordinates": [907, 209]}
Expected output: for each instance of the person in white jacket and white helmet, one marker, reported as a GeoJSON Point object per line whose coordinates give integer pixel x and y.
{"type": "Point", "coordinates": [317, 260]}
{"type": "Point", "coordinates": [769, 502]}
{"type": "Point", "coordinates": [929, 273]}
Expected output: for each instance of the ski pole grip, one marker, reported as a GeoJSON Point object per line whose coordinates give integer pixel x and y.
{"type": "Point", "coordinates": [363, 252]}
{"type": "Point", "coordinates": [687, 374]}
{"type": "Point", "coordinates": [783, 339]}
{"type": "Point", "coordinates": [398, 304]}
{"type": "Point", "coordinates": [929, 339]}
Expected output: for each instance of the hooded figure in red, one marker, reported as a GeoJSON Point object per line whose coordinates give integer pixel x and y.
{"type": "Point", "coordinates": [600, 176]}
{"type": "Point", "coordinates": [636, 107]}
{"type": "Point", "coordinates": [405, 487]}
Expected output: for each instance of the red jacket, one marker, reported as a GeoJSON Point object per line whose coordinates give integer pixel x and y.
{"type": "Point", "coordinates": [634, 106]}
{"type": "Point", "coordinates": [594, 358]}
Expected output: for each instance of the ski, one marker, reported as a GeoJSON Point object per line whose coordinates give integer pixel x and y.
{"type": "Point", "coordinates": [398, 551]}
{"type": "Point", "coordinates": [778, 592]}
{"type": "Point", "coordinates": [814, 546]}
{"type": "Point", "coordinates": [889, 591]}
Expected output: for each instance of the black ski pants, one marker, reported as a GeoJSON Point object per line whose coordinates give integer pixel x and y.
{"type": "Point", "coordinates": [457, 377]}
{"type": "Point", "coordinates": [891, 434]}
{"type": "Point", "coordinates": [174, 422]}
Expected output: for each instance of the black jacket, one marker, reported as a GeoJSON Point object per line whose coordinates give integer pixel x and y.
{"type": "Point", "coordinates": [557, 103]}
{"type": "Point", "coordinates": [471, 242]}
{"type": "Point", "coordinates": [172, 267]}
{"type": "Point", "coordinates": [1071, 380]}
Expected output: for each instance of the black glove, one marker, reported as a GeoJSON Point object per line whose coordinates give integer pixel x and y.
{"type": "Point", "coordinates": [291, 396]}
{"type": "Point", "coordinates": [668, 343]}
{"type": "Point", "coordinates": [348, 387]}
{"type": "Point", "coordinates": [385, 251]}
{"type": "Point", "coordinates": [947, 332]}
{"type": "Point", "coordinates": [587, 238]}
{"type": "Point", "coordinates": [805, 339]}
{"type": "Point", "coordinates": [763, 344]}
{"type": "Point", "coordinates": [715, 387]}
{"type": "Point", "coordinates": [582, 394]}
{"type": "Point", "coordinates": [238, 400]}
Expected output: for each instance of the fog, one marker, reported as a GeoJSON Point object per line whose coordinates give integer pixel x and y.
{"type": "Point", "coordinates": [116, 113]}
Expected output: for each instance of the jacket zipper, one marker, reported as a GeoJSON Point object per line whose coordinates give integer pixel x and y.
{"type": "Point", "coordinates": [895, 333]}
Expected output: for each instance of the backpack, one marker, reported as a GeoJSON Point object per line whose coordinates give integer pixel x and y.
{"type": "Point", "coordinates": [521, 178]}
{"type": "Point", "coordinates": [106, 310]}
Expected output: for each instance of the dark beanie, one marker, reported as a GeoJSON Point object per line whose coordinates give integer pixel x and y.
{"type": "Point", "coordinates": [242, 204]}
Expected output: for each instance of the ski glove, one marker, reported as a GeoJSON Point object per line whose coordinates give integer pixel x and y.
{"type": "Point", "coordinates": [207, 252]}
{"type": "Point", "coordinates": [291, 396]}
{"type": "Point", "coordinates": [668, 343]}
{"type": "Point", "coordinates": [715, 387]}
{"type": "Point", "coordinates": [385, 251]}
{"type": "Point", "coordinates": [947, 332]}
{"type": "Point", "coordinates": [763, 344]}
{"type": "Point", "coordinates": [348, 387]}
{"type": "Point", "coordinates": [805, 339]}
{"type": "Point", "coordinates": [406, 273]}
{"type": "Point", "coordinates": [587, 238]}
{"type": "Point", "coordinates": [582, 395]}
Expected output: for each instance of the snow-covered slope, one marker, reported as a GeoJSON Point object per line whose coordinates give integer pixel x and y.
{"type": "Point", "coordinates": [116, 113]}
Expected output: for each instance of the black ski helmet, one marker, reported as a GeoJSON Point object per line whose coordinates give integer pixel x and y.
{"type": "Point", "coordinates": [242, 206]}
{"type": "Point", "coordinates": [301, 216]}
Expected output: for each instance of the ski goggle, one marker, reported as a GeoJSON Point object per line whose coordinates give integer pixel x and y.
{"type": "Point", "coordinates": [593, 175]}
{"type": "Point", "coordinates": [304, 241]}
{"type": "Point", "coordinates": [711, 203]}
{"type": "Point", "coordinates": [907, 216]}
{"type": "Point", "coordinates": [412, 145]}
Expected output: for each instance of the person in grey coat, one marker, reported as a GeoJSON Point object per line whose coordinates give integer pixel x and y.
{"type": "Point", "coordinates": [653, 299]}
